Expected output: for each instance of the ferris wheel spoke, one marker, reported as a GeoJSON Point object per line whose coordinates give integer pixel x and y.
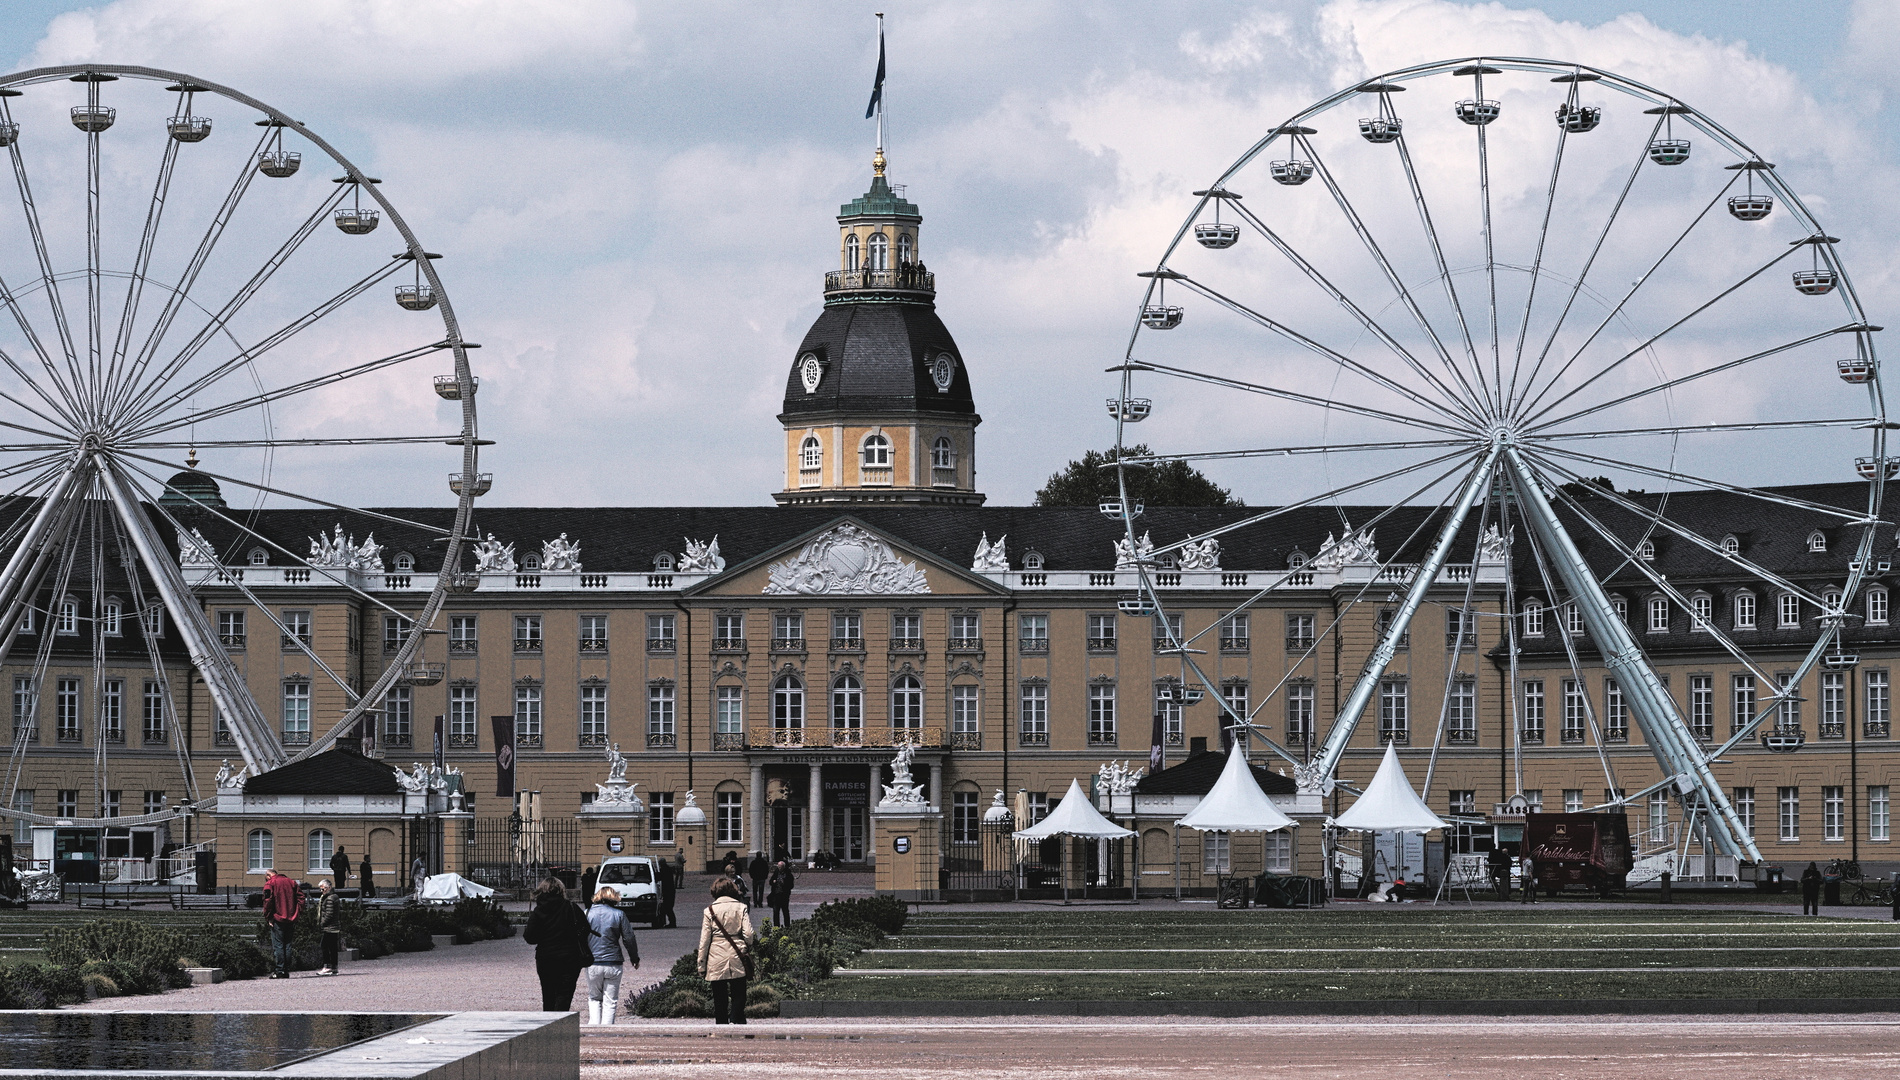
{"type": "Point", "coordinates": [1671, 384]}
{"type": "Point", "coordinates": [1490, 249]}
{"type": "Point", "coordinates": [1537, 260]}
{"type": "Point", "coordinates": [1358, 225]}
{"type": "Point", "coordinates": [62, 420]}
{"type": "Point", "coordinates": [280, 393]}
{"type": "Point", "coordinates": [1308, 343]}
{"type": "Point", "coordinates": [72, 383]}
{"type": "Point", "coordinates": [1542, 437]}
{"type": "Point", "coordinates": [1444, 273]}
{"type": "Point", "coordinates": [451, 439]}
{"type": "Point", "coordinates": [127, 456]}
{"type": "Point", "coordinates": [1671, 525]}
{"type": "Point", "coordinates": [1852, 517]}
{"type": "Point", "coordinates": [1303, 399]}
{"type": "Point", "coordinates": [142, 261]}
{"type": "Point", "coordinates": [1286, 451]}
{"type": "Point", "coordinates": [149, 386]}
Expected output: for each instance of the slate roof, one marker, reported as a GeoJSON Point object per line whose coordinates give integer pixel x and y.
{"type": "Point", "coordinates": [1197, 774]}
{"type": "Point", "coordinates": [333, 772]}
{"type": "Point", "coordinates": [877, 358]}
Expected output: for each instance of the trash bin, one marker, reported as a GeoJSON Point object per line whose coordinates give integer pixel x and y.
{"type": "Point", "coordinates": [1234, 892]}
{"type": "Point", "coordinates": [1831, 890]}
{"type": "Point", "coordinates": [1769, 879]}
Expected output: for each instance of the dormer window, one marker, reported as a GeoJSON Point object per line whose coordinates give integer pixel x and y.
{"type": "Point", "coordinates": [811, 454]}
{"type": "Point", "coordinates": [1296, 560]}
{"type": "Point", "coordinates": [1032, 559]}
{"type": "Point", "coordinates": [68, 617]}
{"type": "Point", "coordinates": [531, 562]}
{"type": "Point", "coordinates": [880, 252]}
{"type": "Point", "coordinates": [663, 562]}
{"type": "Point", "coordinates": [1817, 541]}
{"type": "Point", "coordinates": [1646, 550]}
{"type": "Point", "coordinates": [1744, 611]}
{"type": "Point", "coordinates": [258, 557]}
{"type": "Point", "coordinates": [1533, 618]}
{"type": "Point", "coordinates": [851, 252]}
{"type": "Point", "coordinates": [1731, 545]}
{"type": "Point", "coordinates": [877, 452]}
{"type": "Point", "coordinates": [1877, 606]}
{"type": "Point", "coordinates": [1701, 610]}
{"type": "Point", "coordinates": [405, 562]}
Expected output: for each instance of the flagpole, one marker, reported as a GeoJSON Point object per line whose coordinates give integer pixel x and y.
{"type": "Point", "coordinates": [880, 84]}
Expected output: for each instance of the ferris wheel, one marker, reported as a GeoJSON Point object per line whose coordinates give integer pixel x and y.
{"type": "Point", "coordinates": [186, 270]}
{"type": "Point", "coordinates": [1523, 310]}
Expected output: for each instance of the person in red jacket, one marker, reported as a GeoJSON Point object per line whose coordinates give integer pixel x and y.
{"type": "Point", "coordinates": [283, 902]}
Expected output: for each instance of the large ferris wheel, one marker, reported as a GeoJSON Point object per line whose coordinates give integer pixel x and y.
{"type": "Point", "coordinates": [1465, 313]}
{"type": "Point", "coordinates": [177, 282]}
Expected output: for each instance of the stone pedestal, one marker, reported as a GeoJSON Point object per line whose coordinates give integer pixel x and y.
{"type": "Point", "coordinates": [909, 852]}
{"type": "Point", "coordinates": [458, 832]}
{"type": "Point", "coordinates": [615, 823]}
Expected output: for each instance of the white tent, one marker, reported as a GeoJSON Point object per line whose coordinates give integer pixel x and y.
{"type": "Point", "coordinates": [1389, 804]}
{"type": "Point", "coordinates": [1074, 816]}
{"type": "Point", "coordinates": [452, 887]}
{"type": "Point", "coordinates": [1236, 804]}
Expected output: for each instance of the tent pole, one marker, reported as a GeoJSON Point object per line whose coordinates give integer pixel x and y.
{"type": "Point", "coordinates": [1177, 863]}
{"type": "Point", "coordinates": [1134, 877]}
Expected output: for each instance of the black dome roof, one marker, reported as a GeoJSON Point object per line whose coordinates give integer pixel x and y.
{"type": "Point", "coordinates": [877, 358]}
{"type": "Point", "coordinates": [190, 488]}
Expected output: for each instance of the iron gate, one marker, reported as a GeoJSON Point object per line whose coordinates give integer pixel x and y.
{"type": "Point", "coordinates": [514, 853]}
{"type": "Point", "coordinates": [984, 863]}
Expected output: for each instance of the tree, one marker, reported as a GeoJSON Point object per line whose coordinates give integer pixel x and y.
{"type": "Point", "coordinates": [1167, 483]}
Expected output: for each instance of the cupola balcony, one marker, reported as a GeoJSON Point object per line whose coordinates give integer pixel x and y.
{"type": "Point", "coordinates": [904, 278]}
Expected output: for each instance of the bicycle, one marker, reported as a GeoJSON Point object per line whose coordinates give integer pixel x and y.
{"type": "Point", "coordinates": [1869, 892]}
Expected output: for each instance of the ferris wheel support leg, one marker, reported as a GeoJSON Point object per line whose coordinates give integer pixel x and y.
{"type": "Point", "coordinates": [30, 554]}
{"type": "Point", "coordinates": [256, 742]}
{"type": "Point", "coordinates": [1318, 777]}
{"type": "Point", "coordinates": [1656, 715]}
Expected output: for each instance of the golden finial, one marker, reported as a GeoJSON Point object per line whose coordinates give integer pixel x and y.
{"type": "Point", "coordinates": [191, 458]}
{"type": "Point", "coordinates": [877, 162]}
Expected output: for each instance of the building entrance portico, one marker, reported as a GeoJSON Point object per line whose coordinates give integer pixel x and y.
{"type": "Point", "coordinates": [806, 802]}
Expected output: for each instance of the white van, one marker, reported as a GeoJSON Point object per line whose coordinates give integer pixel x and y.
{"type": "Point", "coordinates": [637, 879]}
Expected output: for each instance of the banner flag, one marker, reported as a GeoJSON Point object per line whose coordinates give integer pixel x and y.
{"type": "Point", "coordinates": [504, 755]}
{"type": "Point", "coordinates": [1154, 748]}
{"type": "Point", "coordinates": [877, 85]}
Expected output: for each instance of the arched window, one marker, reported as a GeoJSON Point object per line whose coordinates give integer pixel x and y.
{"type": "Point", "coordinates": [321, 845]}
{"type": "Point", "coordinates": [1658, 615]}
{"type": "Point", "coordinates": [1533, 618]}
{"type": "Point", "coordinates": [851, 252]}
{"type": "Point", "coordinates": [1296, 560]}
{"type": "Point", "coordinates": [259, 557]}
{"type": "Point", "coordinates": [1032, 559]}
{"type": "Point", "coordinates": [531, 562]}
{"type": "Point", "coordinates": [405, 562]}
{"type": "Point", "coordinates": [1831, 600]}
{"type": "Point", "coordinates": [907, 704]}
{"type": "Point", "coordinates": [259, 855]}
{"type": "Point", "coordinates": [943, 453]}
{"type": "Point", "coordinates": [877, 452]}
{"type": "Point", "coordinates": [153, 618]}
{"type": "Point", "coordinates": [1646, 550]}
{"type": "Point", "coordinates": [1701, 610]}
{"type": "Point", "coordinates": [1744, 611]}
{"type": "Point", "coordinates": [1877, 605]}
{"type": "Point", "coordinates": [847, 703]}
{"type": "Point", "coordinates": [811, 453]}
{"type": "Point", "coordinates": [1731, 545]}
{"type": "Point", "coordinates": [880, 253]}
{"type": "Point", "coordinates": [1788, 611]}
{"type": "Point", "coordinates": [788, 703]}
{"type": "Point", "coordinates": [903, 248]}
{"type": "Point", "coordinates": [663, 562]}
{"type": "Point", "coordinates": [1817, 541]}
{"type": "Point", "coordinates": [68, 617]}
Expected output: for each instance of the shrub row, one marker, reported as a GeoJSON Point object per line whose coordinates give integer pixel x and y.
{"type": "Point", "coordinates": [115, 957]}
{"type": "Point", "coordinates": [381, 931]}
{"type": "Point", "coordinates": [39, 986]}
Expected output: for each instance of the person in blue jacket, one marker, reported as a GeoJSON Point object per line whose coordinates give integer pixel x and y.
{"type": "Point", "coordinates": [608, 934]}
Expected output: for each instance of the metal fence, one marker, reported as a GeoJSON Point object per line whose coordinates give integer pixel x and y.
{"type": "Point", "coordinates": [506, 852]}
{"type": "Point", "coordinates": [985, 862]}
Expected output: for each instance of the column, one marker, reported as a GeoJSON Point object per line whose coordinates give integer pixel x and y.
{"type": "Point", "coordinates": [876, 790]}
{"type": "Point", "coordinates": [756, 839]}
{"type": "Point", "coordinates": [815, 813]}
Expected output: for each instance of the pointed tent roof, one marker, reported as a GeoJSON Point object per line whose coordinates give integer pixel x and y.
{"type": "Point", "coordinates": [1074, 816]}
{"type": "Point", "coordinates": [1389, 804]}
{"type": "Point", "coordinates": [1236, 804]}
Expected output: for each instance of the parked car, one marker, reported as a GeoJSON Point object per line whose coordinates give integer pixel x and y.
{"type": "Point", "coordinates": [637, 879]}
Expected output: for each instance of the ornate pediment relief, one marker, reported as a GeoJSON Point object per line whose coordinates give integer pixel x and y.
{"type": "Point", "coordinates": [845, 561]}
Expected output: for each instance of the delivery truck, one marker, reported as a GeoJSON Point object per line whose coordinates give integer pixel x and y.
{"type": "Point", "coordinates": [1578, 851]}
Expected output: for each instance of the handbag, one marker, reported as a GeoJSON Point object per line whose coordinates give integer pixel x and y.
{"type": "Point", "coordinates": [744, 956]}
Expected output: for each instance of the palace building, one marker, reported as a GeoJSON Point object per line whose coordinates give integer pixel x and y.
{"type": "Point", "coordinates": [771, 661]}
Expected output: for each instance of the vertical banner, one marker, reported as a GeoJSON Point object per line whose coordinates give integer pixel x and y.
{"type": "Point", "coordinates": [504, 755]}
{"type": "Point", "coordinates": [441, 748]}
{"type": "Point", "coordinates": [1154, 747]}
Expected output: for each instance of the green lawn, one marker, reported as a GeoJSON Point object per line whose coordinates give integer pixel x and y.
{"type": "Point", "coordinates": [1360, 954]}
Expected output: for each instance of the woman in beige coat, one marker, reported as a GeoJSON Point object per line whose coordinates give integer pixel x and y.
{"type": "Point", "coordinates": [725, 934]}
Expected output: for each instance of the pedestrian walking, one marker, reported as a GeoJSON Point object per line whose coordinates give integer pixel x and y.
{"type": "Point", "coordinates": [778, 893]}
{"type": "Point", "coordinates": [757, 870]}
{"type": "Point", "coordinates": [1528, 873]}
{"type": "Point", "coordinates": [729, 866]}
{"type": "Point", "coordinates": [725, 938]}
{"type": "Point", "coordinates": [589, 878]}
{"type": "Point", "coordinates": [669, 889]}
{"type": "Point", "coordinates": [558, 930]}
{"type": "Point", "coordinates": [1499, 864]}
{"type": "Point", "coordinates": [417, 871]}
{"type": "Point", "coordinates": [340, 866]}
{"type": "Point", "coordinates": [283, 903]}
{"type": "Point", "coordinates": [1811, 890]}
{"type": "Point", "coordinates": [609, 935]}
{"type": "Point", "coordinates": [366, 880]}
{"type": "Point", "coordinates": [330, 925]}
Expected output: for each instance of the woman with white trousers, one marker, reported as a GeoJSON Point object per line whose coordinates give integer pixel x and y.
{"type": "Point", "coordinates": [608, 932]}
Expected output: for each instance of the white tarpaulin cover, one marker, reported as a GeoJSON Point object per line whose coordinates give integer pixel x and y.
{"type": "Point", "coordinates": [1074, 816]}
{"type": "Point", "coordinates": [1389, 804]}
{"type": "Point", "coordinates": [452, 887]}
{"type": "Point", "coordinates": [1236, 804]}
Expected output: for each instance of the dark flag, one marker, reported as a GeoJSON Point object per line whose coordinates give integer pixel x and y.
{"type": "Point", "coordinates": [441, 748]}
{"type": "Point", "coordinates": [504, 756]}
{"type": "Point", "coordinates": [1154, 748]}
{"type": "Point", "coordinates": [877, 86]}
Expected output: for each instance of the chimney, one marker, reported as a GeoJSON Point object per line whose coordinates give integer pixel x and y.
{"type": "Point", "coordinates": [1197, 745]}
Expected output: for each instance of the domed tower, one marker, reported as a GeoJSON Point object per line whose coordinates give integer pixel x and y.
{"type": "Point", "coordinates": [878, 408]}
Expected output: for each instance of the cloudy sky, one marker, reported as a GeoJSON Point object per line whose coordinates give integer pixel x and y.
{"type": "Point", "coordinates": [635, 201]}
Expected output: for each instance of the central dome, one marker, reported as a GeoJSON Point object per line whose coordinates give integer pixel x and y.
{"type": "Point", "coordinates": [877, 359]}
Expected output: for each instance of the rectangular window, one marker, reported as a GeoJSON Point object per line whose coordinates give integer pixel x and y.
{"type": "Point", "coordinates": [462, 729]}
{"type": "Point", "coordinates": [1236, 632]}
{"type": "Point", "coordinates": [24, 708]}
{"type": "Point", "coordinates": [729, 704]}
{"type": "Point", "coordinates": [296, 713]}
{"type": "Point", "coordinates": [1742, 702]}
{"type": "Point", "coordinates": [527, 716]}
{"type": "Point", "coordinates": [660, 716]}
{"type": "Point", "coordinates": [1533, 619]}
{"type": "Point", "coordinates": [1234, 697]}
{"type": "Point", "coordinates": [1299, 632]}
{"type": "Point", "coordinates": [1101, 715]}
{"type": "Point", "coordinates": [259, 854]}
{"type": "Point", "coordinates": [594, 716]}
{"type": "Point", "coordinates": [67, 803]}
{"type": "Point", "coordinates": [1299, 711]}
{"type": "Point", "coordinates": [231, 629]}
{"type": "Point", "coordinates": [1658, 615]}
{"type": "Point", "coordinates": [1033, 633]}
{"type": "Point", "coordinates": [660, 632]}
{"type": "Point", "coordinates": [1172, 713]}
{"type": "Point", "coordinates": [1702, 707]}
{"type": "Point", "coordinates": [1279, 853]}
{"type": "Point", "coordinates": [729, 630]}
{"type": "Point", "coordinates": [1788, 712]}
{"type": "Point", "coordinates": [1879, 812]}
{"type": "Point", "coordinates": [1534, 799]}
{"type": "Point", "coordinates": [1576, 712]}
{"type": "Point", "coordinates": [1833, 704]}
{"type": "Point", "coordinates": [399, 708]}
{"type": "Point", "coordinates": [963, 819]}
{"type": "Point", "coordinates": [1744, 611]}
{"type": "Point", "coordinates": [296, 629]}
{"type": "Point", "coordinates": [1573, 800]}
{"type": "Point", "coordinates": [1383, 625]}
{"type": "Point", "coordinates": [788, 630]}
{"type": "Point", "coordinates": [1833, 813]}
{"type": "Point", "coordinates": [1461, 629]}
{"type": "Point", "coordinates": [527, 634]}
{"type": "Point", "coordinates": [660, 817]}
{"type": "Point", "coordinates": [112, 710]}
{"type": "Point", "coordinates": [1462, 801]}
{"type": "Point", "coordinates": [1167, 631]}
{"type": "Point", "coordinates": [154, 803]}
{"type": "Point", "coordinates": [1701, 611]}
{"type": "Point", "coordinates": [152, 618]}
{"type": "Point", "coordinates": [114, 803]}
{"type": "Point", "coordinates": [1877, 606]}
{"type": "Point", "coordinates": [729, 817]}
{"type": "Point", "coordinates": [396, 630]}
{"type": "Point", "coordinates": [1788, 611]}
{"type": "Point", "coordinates": [966, 631]}
{"type": "Point", "coordinates": [1461, 711]}
{"type": "Point", "coordinates": [152, 712]}
{"type": "Point", "coordinates": [1743, 799]}
{"type": "Point", "coordinates": [1034, 715]}
{"type": "Point", "coordinates": [847, 631]}
{"type": "Point", "coordinates": [907, 631]}
{"type": "Point", "coordinates": [462, 635]}
{"type": "Point", "coordinates": [1101, 633]}
{"type": "Point", "coordinates": [963, 711]}
{"type": "Point", "coordinates": [593, 633]}
{"type": "Point", "coordinates": [1532, 731]}
{"type": "Point", "coordinates": [1573, 618]}
{"type": "Point", "coordinates": [1788, 800]}
{"type": "Point", "coordinates": [1879, 704]}
{"type": "Point", "coordinates": [66, 710]}
{"type": "Point", "coordinates": [1217, 853]}
{"type": "Point", "coordinates": [1038, 806]}
{"type": "Point", "coordinates": [1659, 817]}
{"type": "Point", "coordinates": [1395, 721]}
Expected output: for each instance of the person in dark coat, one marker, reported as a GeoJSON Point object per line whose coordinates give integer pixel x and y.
{"type": "Point", "coordinates": [340, 866]}
{"type": "Point", "coordinates": [1499, 863]}
{"type": "Point", "coordinates": [778, 893]}
{"type": "Point", "coordinates": [589, 877]}
{"type": "Point", "coordinates": [757, 870]}
{"type": "Point", "coordinates": [556, 928]}
{"type": "Point", "coordinates": [367, 878]}
{"type": "Point", "coordinates": [417, 871]}
{"type": "Point", "coordinates": [1811, 890]}
{"type": "Point", "coordinates": [729, 866]}
{"type": "Point", "coordinates": [330, 925]}
{"type": "Point", "coordinates": [669, 890]}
